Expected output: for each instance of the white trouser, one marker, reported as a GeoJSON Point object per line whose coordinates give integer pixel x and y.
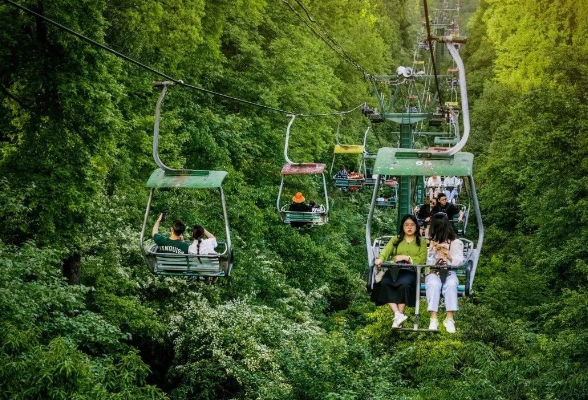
{"type": "Point", "coordinates": [434, 290]}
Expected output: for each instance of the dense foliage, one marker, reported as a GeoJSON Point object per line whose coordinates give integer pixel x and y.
{"type": "Point", "coordinates": [294, 322]}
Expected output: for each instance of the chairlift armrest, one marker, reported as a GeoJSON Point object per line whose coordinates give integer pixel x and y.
{"type": "Point", "coordinates": [441, 267]}
{"type": "Point", "coordinates": [408, 267]}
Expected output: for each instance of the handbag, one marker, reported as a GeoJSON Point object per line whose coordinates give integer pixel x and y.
{"type": "Point", "coordinates": [380, 275]}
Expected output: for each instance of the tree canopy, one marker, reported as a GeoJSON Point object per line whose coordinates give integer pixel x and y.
{"type": "Point", "coordinates": [295, 321]}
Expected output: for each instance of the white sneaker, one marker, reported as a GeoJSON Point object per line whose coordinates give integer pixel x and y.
{"type": "Point", "coordinates": [398, 320]}
{"type": "Point", "coordinates": [434, 324]}
{"type": "Point", "coordinates": [449, 325]}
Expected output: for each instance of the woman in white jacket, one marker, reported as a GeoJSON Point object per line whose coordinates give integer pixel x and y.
{"type": "Point", "coordinates": [203, 246]}
{"type": "Point", "coordinates": [444, 249]}
{"type": "Point", "coordinates": [200, 245]}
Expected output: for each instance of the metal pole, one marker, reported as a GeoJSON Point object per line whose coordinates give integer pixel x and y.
{"type": "Point", "coordinates": [417, 305]}
{"type": "Point", "coordinates": [142, 236]}
{"type": "Point", "coordinates": [368, 232]}
{"type": "Point", "coordinates": [279, 196]}
{"type": "Point", "coordinates": [226, 217]}
{"type": "Point", "coordinates": [332, 163]}
{"type": "Point", "coordinates": [365, 137]}
{"type": "Point", "coordinates": [288, 161]}
{"type": "Point", "coordinates": [478, 249]}
{"type": "Point", "coordinates": [158, 161]}
{"type": "Point", "coordinates": [326, 195]}
{"type": "Point", "coordinates": [464, 99]}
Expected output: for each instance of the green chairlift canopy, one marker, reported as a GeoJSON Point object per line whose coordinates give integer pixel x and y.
{"type": "Point", "coordinates": [409, 162]}
{"type": "Point", "coordinates": [191, 179]}
{"type": "Point", "coordinates": [349, 149]}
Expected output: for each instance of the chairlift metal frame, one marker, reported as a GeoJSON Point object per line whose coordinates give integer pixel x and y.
{"type": "Point", "coordinates": [192, 265]}
{"type": "Point", "coordinates": [408, 162]}
{"type": "Point", "coordinates": [292, 168]}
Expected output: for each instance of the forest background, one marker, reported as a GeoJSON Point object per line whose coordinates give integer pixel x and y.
{"type": "Point", "coordinates": [295, 322]}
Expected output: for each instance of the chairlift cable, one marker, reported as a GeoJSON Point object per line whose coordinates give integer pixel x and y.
{"type": "Point", "coordinates": [333, 41]}
{"type": "Point", "coordinates": [429, 40]}
{"type": "Point", "coordinates": [163, 75]}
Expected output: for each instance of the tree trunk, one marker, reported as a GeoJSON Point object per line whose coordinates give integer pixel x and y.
{"type": "Point", "coordinates": [71, 269]}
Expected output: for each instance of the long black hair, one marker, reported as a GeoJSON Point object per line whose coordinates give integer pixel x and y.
{"type": "Point", "coordinates": [197, 232]}
{"type": "Point", "coordinates": [417, 233]}
{"type": "Point", "coordinates": [440, 229]}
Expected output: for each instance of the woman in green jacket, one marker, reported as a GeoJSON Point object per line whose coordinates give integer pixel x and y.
{"type": "Point", "coordinates": [407, 248]}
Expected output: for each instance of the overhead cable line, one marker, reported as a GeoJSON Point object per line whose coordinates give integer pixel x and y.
{"type": "Point", "coordinates": [429, 40]}
{"type": "Point", "coordinates": [332, 43]}
{"type": "Point", "coordinates": [326, 33]}
{"type": "Point", "coordinates": [168, 77]}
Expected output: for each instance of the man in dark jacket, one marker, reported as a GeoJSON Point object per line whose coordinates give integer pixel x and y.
{"type": "Point", "coordinates": [299, 205]}
{"type": "Point", "coordinates": [444, 206]}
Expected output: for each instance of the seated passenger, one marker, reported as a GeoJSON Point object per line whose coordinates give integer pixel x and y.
{"type": "Point", "coordinates": [203, 246]}
{"type": "Point", "coordinates": [450, 183]}
{"type": "Point", "coordinates": [354, 175]}
{"type": "Point", "coordinates": [316, 208]}
{"type": "Point", "coordinates": [175, 242]}
{"type": "Point", "coordinates": [444, 249]}
{"type": "Point", "coordinates": [424, 215]}
{"type": "Point", "coordinates": [299, 205]}
{"type": "Point", "coordinates": [433, 186]}
{"type": "Point", "coordinates": [342, 173]}
{"type": "Point", "coordinates": [199, 245]}
{"type": "Point", "coordinates": [399, 292]}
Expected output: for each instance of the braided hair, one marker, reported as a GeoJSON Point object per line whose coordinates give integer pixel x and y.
{"type": "Point", "coordinates": [197, 232]}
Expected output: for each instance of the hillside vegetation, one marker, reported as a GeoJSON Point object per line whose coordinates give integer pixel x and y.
{"type": "Point", "coordinates": [295, 321]}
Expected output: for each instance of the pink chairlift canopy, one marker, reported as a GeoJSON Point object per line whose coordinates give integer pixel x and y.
{"type": "Point", "coordinates": [303, 169]}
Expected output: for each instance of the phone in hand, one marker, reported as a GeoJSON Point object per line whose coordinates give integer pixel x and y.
{"type": "Point", "coordinates": [163, 216]}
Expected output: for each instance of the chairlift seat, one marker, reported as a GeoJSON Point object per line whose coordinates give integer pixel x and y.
{"type": "Point", "coordinates": [460, 227]}
{"type": "Point", "coordinates": [349, 183]}
{"type": "Point", "coordinates": [189, 264]}
{"type": "Point", "coordinates": [368, 182]}
{"type": "Point", "coordinates": [462, 272]}
{"type": "Point", "coordinates": [446, 141]}
{"type": "Point", "coordinates": [406, 118]}
{"type": "Point", "coordinates": [212, 265]}
{"type": "Point", "coordinates": [390, 202]}
{"type": "Point", "coordinates": [376, 118]}
{"type": "Point", "coordinates": [436, 119]}
{"type": "Point", "coordinates": [314, 218]}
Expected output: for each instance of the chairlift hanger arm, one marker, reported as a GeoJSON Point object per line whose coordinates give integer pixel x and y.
{"type": "Point", "coordinates": [365, 136]}
{"type": "Point", "coordinates": [288, 161]}
{"type": "Point", "coordinates": [164, 87]}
